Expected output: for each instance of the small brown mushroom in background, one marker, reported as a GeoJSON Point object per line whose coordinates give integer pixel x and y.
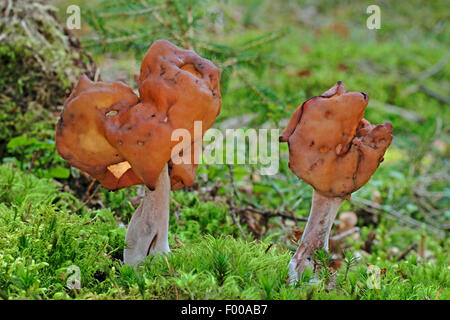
{"type": "Point", "coordinates": [346, 227]}
{"type": "Point", "coordinates": [123, 140]}
{"type": "Point", "coordinates": [334, 149]}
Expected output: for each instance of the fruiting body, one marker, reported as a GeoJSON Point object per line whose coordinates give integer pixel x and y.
{"type": "Point", "coordinates": [315, 235]}
{"type": "Point", "coordinates": [122, 140]}
{"type": "Point", "coordinates": [147, 231]}
{"type": "Point", "coordinates": [331, 146]}
{"type": "Point", "coordinates": [335, 150]}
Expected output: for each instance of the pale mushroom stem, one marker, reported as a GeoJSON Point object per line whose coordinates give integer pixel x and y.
{"type": "Point", "coordinates": [147, 231]}
{"type": "Point", "coordinates": [316, 234]}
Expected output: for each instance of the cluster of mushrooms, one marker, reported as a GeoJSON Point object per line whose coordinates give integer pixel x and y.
{"type": "Point", "coordinates": [121, 140]}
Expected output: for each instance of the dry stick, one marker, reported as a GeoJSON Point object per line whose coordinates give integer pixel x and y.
{"type": "Point", "coordinates": [434, 94]}
{"type": "Point", "coordinates": [297, 203]}
{"type": "Point", "coordinates": [86, 194]}
{"type": "Point", "coordinates": [375, 285]}
{"type": "Point", "coordinates": [8, 8]}
{"type": "Point", "coordinates": [229, 62]}
{"type": "Point", "coordinates": [102, 248]}
{"type": "Point", "coordinates": [408, 250]}
{"type": "Point", "coordinates": [90, 221]}
{"type": "Point", "coordinates": [176, 292]}
{"type": "Point", "coordinates": [426, 74]}
{"type": "Point", "coordinates": [27, 215]}
{"type": "Point", "coordinates": [439, 293]}
{"type": "Point", "coordinates": [113, 40]}
{"type": "Point", "coordinates": [268, 248]}
{"type": "Point", "coordinates": [75, 44]}
{"type": "Point", "coordinates": [97, 74]}
{"type": "Point", "coordinates": [269, 213]}
{"type": "Point", "coordinates": [428, 207]}
{"type": "Point", "coordinates": [402, 112]}
{"type": "Point", "coordinates": [233, 208]}
{"type": "Point", "coordinates": [422, 247]}
{"type": "Point", "coordinates": [345, 234]}
{"type": "Point", "coordinates": [434, 69]}
{"type": "Point", "coordinates": [375, 208]}
{"type": "Point", "coordinates": [87, 201]}
{"type": "Point", "coordinates": [33, 160]}
{"type": "Point", "coordinates": [28, 211]}
{"type": "Point", "coordinates": [421, 192]}
{"type": "Point", "coordinates": [131, 13]}
{"type": "Point", "coordinates": [421, 87]}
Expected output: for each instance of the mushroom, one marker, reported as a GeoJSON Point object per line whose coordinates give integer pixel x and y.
{"type": "Point", "coordinates": [121, 139]}
{"type": "Point", "coordinates": [335, 150]}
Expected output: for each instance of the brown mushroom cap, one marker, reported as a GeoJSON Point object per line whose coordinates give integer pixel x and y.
{"type": "Point", "coordinates": [331, 146]}
{"type": "Point", "coordinates": [121, 140]}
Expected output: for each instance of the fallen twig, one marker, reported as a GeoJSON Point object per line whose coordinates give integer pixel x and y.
{"type": "Point", "coordinates": [269, 213]}
{"type": "Point", "coordinates": [408, 250]}
{"type": "Point", "coordinates": [439, 293]}
{"type": "Point", "coordinates": [233, 208]}
{"type": "Point", "coordinates": [344, 234]}
{"type": "Point", "coordinates": [376, 208]}
{"type": "Point", "coordinates": [87, 201]}
{"type": "Point", "coordinates": [433, 70]}
{"type": "Point", "coordinates": [86, 194]}
{"type": "Point", "coordinates": [28, 211]}
{"type": "Point", "coordinates": [422, 247]}
{"type": "Point", "coordinates": [103, 41]}
{"type": "Point", "coordinates": [131, 13]}
{"type": "Point", "coordinates": [402, 112]}
{"type": "Point", "coordinates": [434, 94]}
{"type": "Point", "coordinates": [33, 160]}
{"type": "Point", "coordinates": [268, 248]}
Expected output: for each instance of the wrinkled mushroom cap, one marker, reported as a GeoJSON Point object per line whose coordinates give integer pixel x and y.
{"type": "Point", "coordinates": [123, 140]}
{"type": "Point", "coordinates": [331, 146]}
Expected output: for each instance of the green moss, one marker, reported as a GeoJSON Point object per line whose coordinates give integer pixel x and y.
{"type": "Point", "coordinates": [39, 64]}
{"type": "Point", "coordinates": [42, 237]}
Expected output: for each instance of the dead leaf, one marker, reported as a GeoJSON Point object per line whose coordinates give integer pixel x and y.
{"type": "Point", "coordinates": [342, 67]}
{"type": "Point", "coordinates": [297, 233]}
{"type": "Point", "coordinates": [304, 73]}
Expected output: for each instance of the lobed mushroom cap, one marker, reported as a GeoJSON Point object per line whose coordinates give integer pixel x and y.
{"type": "Point", "coordinates": [331, 146]}
{"type": "Point", "coordinates": [123, 140]}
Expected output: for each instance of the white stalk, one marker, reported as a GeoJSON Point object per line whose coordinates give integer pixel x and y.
{"type": "Point", "coordinates": [147, 232]}
{"type": "Point", "coordinates": [316, 234]}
